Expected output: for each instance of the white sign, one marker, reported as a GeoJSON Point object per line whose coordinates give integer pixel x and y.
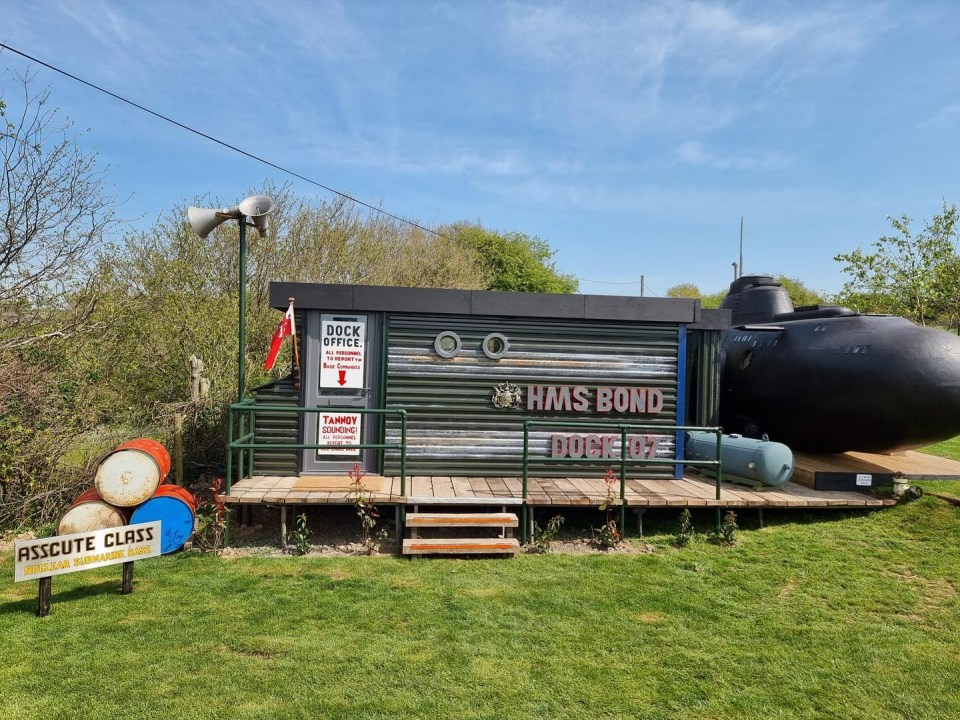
{"type": "Point", "coordinates": [35, 559]}
{"type": "Point", "coordinates": [339, 429]}
{"type": "Point", "coordinates": [342, 351]}
{"type": "Point", "coordinates": [864, 480]}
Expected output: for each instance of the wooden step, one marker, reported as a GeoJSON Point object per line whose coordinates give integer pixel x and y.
{"type": "Point", "coordinates": [461, 546]}
{"type": "Point", "coordinates": [462, 520]}
{"type": "Point", "coordinates": [491, 501]}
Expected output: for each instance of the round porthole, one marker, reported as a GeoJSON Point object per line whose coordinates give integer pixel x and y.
{"type": "Point", "coordinates": [447, 344]}
{"type": "Point", "coordinates": [495, 346]}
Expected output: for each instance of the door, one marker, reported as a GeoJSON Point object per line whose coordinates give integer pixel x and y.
{"type": "Point", "coordinates": [338, 375]}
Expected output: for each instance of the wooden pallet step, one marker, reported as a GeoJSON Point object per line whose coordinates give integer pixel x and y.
{"type": "Point", "coordinates": [461, 546]}
{"type": "Point", "coordinates": [462, 520]}
{"type": "Point", "coordinates": [492, 501]}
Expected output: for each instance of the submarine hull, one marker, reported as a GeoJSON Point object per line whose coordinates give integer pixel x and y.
{"type": "Point", "coordinates": [834, 381]}
{"type": "Point", "coordinates": [826, 379]}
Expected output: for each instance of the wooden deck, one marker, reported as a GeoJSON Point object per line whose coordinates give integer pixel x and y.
{"type": "Point", "coordinates": [563, 492]}
{"type": "Point", "coordinates": [910, 464]}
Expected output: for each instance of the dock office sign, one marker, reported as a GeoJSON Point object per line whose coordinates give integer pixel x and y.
{"type": "Point", "coordinates": [342, 351]}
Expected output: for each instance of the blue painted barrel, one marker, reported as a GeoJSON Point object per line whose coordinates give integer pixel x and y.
{"type": "Point", "coordinates": [175, 508]}
{"type": "Point", "coordinates": [754, 461]}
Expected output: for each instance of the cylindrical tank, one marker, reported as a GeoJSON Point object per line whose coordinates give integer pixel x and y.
{"type": "Point", "coordinates": [90, 512]}
{"type": "Point", "coordinates": [756, 461]}
{"type": "Point", "coordinates": [131, 473]}
{"type": "Point", "coordinates": [175, 508]}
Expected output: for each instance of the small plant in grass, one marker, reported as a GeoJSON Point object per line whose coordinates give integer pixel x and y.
{"type": "Point", "coordinates": [211, 519]}
{"type": "Point", "coordinates": [366, 510]}
{"type": "Point", "coordinates": [299, 537]}
{"type": "Point", "coordinates": [542, 537]}
{"type": "Point", "coordinates": [609, 535]}
{"type": "Point", "coordinates": [726, 533]}
{"type": "Point", "coordinates": [686, 531]}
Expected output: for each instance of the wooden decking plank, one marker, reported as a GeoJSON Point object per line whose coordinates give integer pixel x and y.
{"type": "Point", "coordinates": [461, 487]}
{"type": "Point", "coordinates": [557, 496]}
{"type": "Point", "coordinates": [481, 488]}
{"type": "Point", "coordinates": [572, 492]}
{"type": "Point", "coordinates": [636, 492]}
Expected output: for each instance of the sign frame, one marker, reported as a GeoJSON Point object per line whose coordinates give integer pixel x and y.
{"type": "Point", "coordinates": [43, 558]}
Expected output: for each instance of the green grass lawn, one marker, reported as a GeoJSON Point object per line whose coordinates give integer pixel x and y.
{"type": "Point", "coordinates": [948, 448]}
{"type": "Point", "coordinates": [814, 616]}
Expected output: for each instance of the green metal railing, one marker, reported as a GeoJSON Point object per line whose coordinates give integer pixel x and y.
{"type": "Point", "coordinates": [624, 429]}
{"type": "Point", "coordinates": [244, 445]}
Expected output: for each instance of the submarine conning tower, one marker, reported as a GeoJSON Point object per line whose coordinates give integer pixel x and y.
{"type": "Point", "coordinates": [756, 299]}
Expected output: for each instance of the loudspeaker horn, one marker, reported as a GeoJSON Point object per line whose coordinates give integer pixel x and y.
{"type": "Point", "coordinates": [256, 206]}
{"type": "Point", "coordinates": [204, 220]}
{"type": "Point", "coordinates": [262, 223]}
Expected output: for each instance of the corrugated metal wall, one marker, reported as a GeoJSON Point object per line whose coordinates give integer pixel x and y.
{"type": "Point", "coordinates": [704, 377]}
{"type": "Point", "coordinates": [453, 427]}
{"type": "Point", "coordinates": [277, 427]}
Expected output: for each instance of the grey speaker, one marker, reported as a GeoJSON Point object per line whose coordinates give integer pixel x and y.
{"type": "Point", "coordinates": [262, 223]}
{"type": "Point", "coordinates": [204, 220]}
{"type": "Point", "coordinates": [256, 206]}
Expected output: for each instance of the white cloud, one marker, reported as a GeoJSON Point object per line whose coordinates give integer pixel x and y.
{"type": "Point", "coordinates": [947, 116]}
{"type": "Point", "coordinates": [626, 67]}
{"type": "Point", "coordinates": [694, 153]}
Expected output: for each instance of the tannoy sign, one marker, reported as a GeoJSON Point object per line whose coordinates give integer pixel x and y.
{"type": "Point", "coordinates": [43, 558]}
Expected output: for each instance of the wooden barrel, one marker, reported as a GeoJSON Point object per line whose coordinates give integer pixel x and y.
{"type": "Point", "coordinates": [175, 508]}
{"type": "Point", "coordinates": [90, 512]}
{"type": "Point", "coordinates": [131, 473]}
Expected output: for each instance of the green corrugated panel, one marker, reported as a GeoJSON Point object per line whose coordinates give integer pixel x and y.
{"type": "Point", "coordinates": [277, 427]}
{"type": "Point", "coordinates": [454, 428]}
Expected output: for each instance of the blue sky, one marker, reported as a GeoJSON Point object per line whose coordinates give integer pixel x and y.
{"type": "Point", "coordinates": [630, 135]}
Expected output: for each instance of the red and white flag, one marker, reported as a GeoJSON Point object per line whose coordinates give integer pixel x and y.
{"type": "Point", "coordinates": [287, 327]}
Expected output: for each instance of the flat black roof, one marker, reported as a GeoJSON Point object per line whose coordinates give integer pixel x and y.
{"type": "Point", "coordinates": [372, 298]}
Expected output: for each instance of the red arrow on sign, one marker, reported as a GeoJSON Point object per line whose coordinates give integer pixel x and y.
{"type": "Point", "coordinates": [343, 377]}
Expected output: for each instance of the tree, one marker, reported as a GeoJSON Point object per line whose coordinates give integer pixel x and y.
{"type": "Point", "coordinates": [54, 212]}
{"type": "Point", "coordinates": [901, 275]}
{"type": "Point", "coordinates": [513, 261]}
{"type": "Point", "coordinates": [800, 294]}
{"type": "Point", "coordinates": [684, 290]}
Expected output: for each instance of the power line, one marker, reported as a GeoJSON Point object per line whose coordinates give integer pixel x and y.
{"type": "Point", "coordinates": [222, 143]}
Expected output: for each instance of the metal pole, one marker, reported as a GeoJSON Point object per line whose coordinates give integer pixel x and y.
{"type": "Point", "coordinates": [241, 327]}
{"type": "Point", "coordinates": [524, 534]}
{"type": "Point", "coordinates": [643, 282]}
{"type": "Point", "coordinates": [403, 466]}
{"type": "Point", "coordinates": [226, 528]}
{"type": "Point", "coordinates": [623, 480]}
{"type": "Point", "coordinates": [741, 247]}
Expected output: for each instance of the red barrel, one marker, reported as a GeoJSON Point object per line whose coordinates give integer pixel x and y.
{"type": "Point", "coordinates": [175, 508]}
{"type": "Point", "coordinates": [90, 512]}
{"type": "Point", "coordinates": [132, 472]}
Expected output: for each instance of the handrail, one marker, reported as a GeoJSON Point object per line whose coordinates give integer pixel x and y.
{"type": "Point", "coordinates": [623, 428]}
{"type": "Point", "coordinates": [246, 443]}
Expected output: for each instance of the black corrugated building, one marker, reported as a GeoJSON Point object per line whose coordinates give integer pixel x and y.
{"type": "Point", "coordinates": [470, 366]}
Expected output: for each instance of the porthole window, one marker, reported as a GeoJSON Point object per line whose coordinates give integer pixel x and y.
{"type": "Point", "coordinates": [495, 346]}
{"type": "Point", "coordinates": [447, 344]}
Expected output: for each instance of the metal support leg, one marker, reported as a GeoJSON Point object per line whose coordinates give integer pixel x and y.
{"type": "Point", "coordinates": [760, 517]}
{"type": "Point", "coordinates": [639, 512]}
{"type": "Point", "coordinates": [283, 526]}
{"type": "Point", "coordinates": [399, 527]}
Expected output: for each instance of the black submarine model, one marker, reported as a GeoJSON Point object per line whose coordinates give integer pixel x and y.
{"type": "Point", "coordinates": [826, 379]}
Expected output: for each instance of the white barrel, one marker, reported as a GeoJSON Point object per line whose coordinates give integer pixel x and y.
{"type": "Point", "coordinates": [89, 512]}
{"type": "Point", "coordinates": [132, 472]}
